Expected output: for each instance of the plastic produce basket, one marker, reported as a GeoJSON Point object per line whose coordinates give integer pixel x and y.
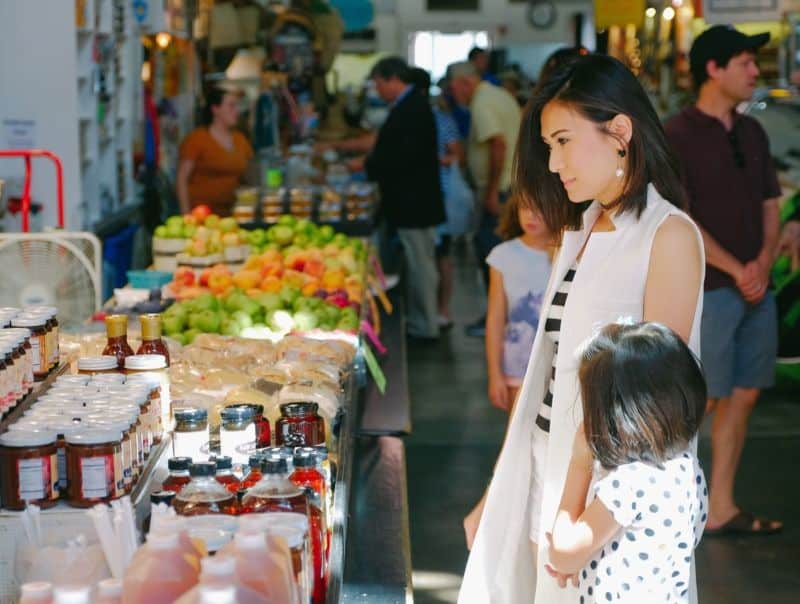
{"type": "Point", "coordinates": [148, 279]}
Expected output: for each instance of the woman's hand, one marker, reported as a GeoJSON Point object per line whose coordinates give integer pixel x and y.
{"type": "Point", "coordinates": [562, 578]}
{"type": "Point", "coordinates": [498, 393]}
{"type": "Point", "coordinates": [472, 521]}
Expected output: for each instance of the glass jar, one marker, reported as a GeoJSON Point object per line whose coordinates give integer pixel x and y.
{"type": "Point", "coordinates": [263, 435]}
{"type": "Point", "coordinates": [28, 469]}
{"type": "Point", "coordinates": [300, 425]}
{"type": "Point", "coordinates": [50, 313]}
{"type": "Point", "coordinates": [38, 344]}
{"type": "Point", "coordinates": [178, 476]}
{"type": "Point", "coordinates": [151, 337]}
{"type": "Point", "coordinates": [117, 344]}
{"type": "Point", "coordinates": [8, 394]}
{"type": "Point", "coordinates": [62, 427]}
{"type": "Point", "coordinates": [224, 473]}
{"type": "Point", "coordinates": [152, 366]}
{"type": "Point", "coordinates": [94, 467]}
{"type": "Point", "coordinates": [190, 436]}
{"type": "Point", "coordinates": [254, 473]}
{"type": "Point", "coordinates": [123, 425]}
{"type": "Point", "coordinates": [237, 433]}
{"type": "Point", "coordinates": [204, 495]}
{"type": "Point", "coordinates": [97, 365]}
{"type": "Point", "coordinates": [275, 492]}
{"type": "Point", "coordinates": [151, 383]}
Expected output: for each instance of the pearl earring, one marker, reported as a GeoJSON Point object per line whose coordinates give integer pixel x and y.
{"type": "Point", "coordinates": [620, 172]}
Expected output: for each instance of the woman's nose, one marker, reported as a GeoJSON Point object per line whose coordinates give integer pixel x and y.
{"type": "Point", "coordinates": [554, 161]}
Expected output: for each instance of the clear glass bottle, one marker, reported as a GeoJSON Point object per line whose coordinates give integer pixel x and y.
{"type": "Point", "coordinates": [117, 344]}
{"type": "Point", "coordinates": [151, 336]}
{"type": "Point", "coordinates": [225, 474]}
{"type": "Point", "coordinates": [204, 495]}
{"type": "Point", "coordinates": [178, 474]}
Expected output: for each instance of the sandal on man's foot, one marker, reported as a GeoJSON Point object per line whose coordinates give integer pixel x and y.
{"type": "Point", "coordinates": [745, 523]}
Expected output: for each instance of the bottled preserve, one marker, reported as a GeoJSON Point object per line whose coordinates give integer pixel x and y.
{"type": "Point", "coordinates": [28, 469]}
{"type": "Point", "coordinates": [253, 474]}
{"type": "Point", "coordinates": [204, 495]}
{"type": "Point", "coordinates": [151, 337]}
{"type": "Point", "coordinates": [117, 344]}
{"type": "Point", "coordinates": [224, 474]}
{"type": "Point", "coordinates": [300, 425]}
{"type": "Point", "coordinates": [179, 475]}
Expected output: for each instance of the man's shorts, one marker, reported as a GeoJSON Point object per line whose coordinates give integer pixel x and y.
{"type": "Point", "coordinates": [739, 342]}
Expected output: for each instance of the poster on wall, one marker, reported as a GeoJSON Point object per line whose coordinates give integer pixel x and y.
{"type": "Point", "coordinates": [740, 11]}
{"type": "Point", "coordinates": [618, 12]}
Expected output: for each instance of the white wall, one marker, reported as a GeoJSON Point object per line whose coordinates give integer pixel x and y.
{"type": "Point", "coordinates": [37, 81]}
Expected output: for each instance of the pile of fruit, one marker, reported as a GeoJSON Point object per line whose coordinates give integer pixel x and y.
{"type": "Point", "coordinates": [201, 233]}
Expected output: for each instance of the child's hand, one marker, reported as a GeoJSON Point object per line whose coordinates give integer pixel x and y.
{"type": "Point", "coordinates": [561, 577]}
{"type": "Point", "coordinates": [580, 448]}
{"type": "Point", "coordinates": [498, 393]}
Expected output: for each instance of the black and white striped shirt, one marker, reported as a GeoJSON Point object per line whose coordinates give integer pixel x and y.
{"type": "Point", "coordinates": [552, 328]}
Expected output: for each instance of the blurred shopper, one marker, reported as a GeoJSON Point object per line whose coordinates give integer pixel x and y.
{"type": "Point", "coordinates": [479, 58]}
{"type": "Point", "coordinates": [495, 118]}
{"type": "Point", "coordinates": [733, 196]}
{"type": "Point", "coordinates": [518, 272]}
{"type": "Point", "coordinates": [630, 255]}
{"type": "Point", "coordinates": [214, 157]}
{"type": "Point", "coordinates": [405, 164]}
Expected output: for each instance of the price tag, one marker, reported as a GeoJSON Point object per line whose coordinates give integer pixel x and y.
{"type": "Point", "coordinates": [373, 337]}
{"type": "Point", "coordinates": [375, 369]}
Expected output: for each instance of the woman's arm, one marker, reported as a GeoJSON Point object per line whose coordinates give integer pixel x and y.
{"type": "Point", "coordinates": [496, 313]}
{"type": "Point", "coordinates": [579, 531]}
{"type": "Point", "coordinates": [675, 276]}
{"type": "Point", "coordinates": [185, 168]}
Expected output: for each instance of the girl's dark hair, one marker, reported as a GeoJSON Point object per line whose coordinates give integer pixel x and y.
{"type": "Point", "coordinates": [643, 393]}
{"type": "Point", "coordinates": [214, 98]}
{"type": "Point", "coordinates": [509, 227]}
{"type": "Point", "coordinates": [599, 87]}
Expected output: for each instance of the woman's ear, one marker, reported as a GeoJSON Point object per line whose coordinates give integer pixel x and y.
{"type": "Point", "coordinates": [621, 128]}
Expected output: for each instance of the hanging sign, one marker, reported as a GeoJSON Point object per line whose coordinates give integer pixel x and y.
{"type": "Point", "coordinates": [140, 10]}
{"type": "Point", "coordinates": [740, 11]}
{"type": "Point", "coordinates": [618, 12]}
{"type": "Point", "coordinates": [19, 134]}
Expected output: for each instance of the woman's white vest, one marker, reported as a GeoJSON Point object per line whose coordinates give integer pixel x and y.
{"type": "Point", "coordinates": [609, 285]}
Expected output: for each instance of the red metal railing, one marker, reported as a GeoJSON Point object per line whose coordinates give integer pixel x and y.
{"type": "Point", "coordinates": [28, 154]}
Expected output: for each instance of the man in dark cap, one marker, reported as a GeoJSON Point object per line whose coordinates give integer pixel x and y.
{"type": "Point", "coordinates": [733, 196]}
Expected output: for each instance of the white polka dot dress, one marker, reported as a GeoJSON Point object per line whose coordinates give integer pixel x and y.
{"type": "Point", "coordinates": [662, 512]}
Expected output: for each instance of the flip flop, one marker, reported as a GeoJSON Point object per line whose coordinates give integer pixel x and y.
{"type": "Point", "coordinates": [743, 524]}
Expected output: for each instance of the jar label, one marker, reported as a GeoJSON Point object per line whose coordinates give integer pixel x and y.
{"type": "Point", "coordinates": [238, 444]}
{"type": "Point", "coordinates": [62, 469]}
{"type": "Point", "coordinates": [54, 492]}
{"type": "Point", "coordinates": [97, 477]}
{"type": "Point", "coordinates": [36, 354]}
{"type": "Point", "coordinates": [34, 478]}
{"type": "Point", "coordinates": [127, 462]}
{"type": "Point", "coordinates": [119, 476]}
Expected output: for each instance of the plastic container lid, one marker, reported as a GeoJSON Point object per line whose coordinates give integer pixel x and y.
{"type": "Point", "coordinates": [203, 468]}
{"type": "Point", "coordinates": [304, 459]}
{"type": "Point", "coordinates": [190, 415]}
{"type": "Point", "coordinates": [162, 497]}
{"type": "Point", "coordinates": [299, 409]}
{"type": "Point", "coordinates": [81, 380]}
{"type": "Point", "coordinates": [250, 540]}
{"type": "Point", "coordinates": [28, 438]}
{"type": "Point", "coordinates": [294, 519]}
{"type": "Point", "coordinates": [274, 465]}
{"type": "Point", "coordinates": [293, 535]}
{"type": "Point", "coordinates": [150, 379]}
{"type": "Point", "coordinates": [27, 425]}
{"type": "Point", "coordinates": [179, 463]}
{"type": "Point", "coordinates": [11, 309]}
{"type": "Point", "coordinates": [159, 540]}
{"type": "Point", "coordinates": [63, 427]}
{"type": "Point", "coordinates": [102, 363]}
{"type": "Point", "coordinates": [224, 462]}
{"type": "Point", "coordinates": [238, 413]}
{"type": "Point", "coordinates": [214, 594]}
{"type": "Point", "coordinates": [110, 423]}
{"type": "Point", "coordinates": [146, 362]}
{"type": "Point", "coordinates": [94, 436]}
{"type": "Point", "coordinates": [24, 332]}
{"type": "Point", "coordinates": [28, 321]}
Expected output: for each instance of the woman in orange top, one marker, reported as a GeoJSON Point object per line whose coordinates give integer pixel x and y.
{"type": "Point", "coordinates": [213, 158]}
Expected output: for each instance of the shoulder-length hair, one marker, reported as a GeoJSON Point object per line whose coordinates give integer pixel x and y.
{"type": "Point", "coordinates": [644, 394]}
{"type": "Point", "coordinates": [599, 87]}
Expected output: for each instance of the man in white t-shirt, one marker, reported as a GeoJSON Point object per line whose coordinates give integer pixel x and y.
{"type": "Point", "coordinates": [495, 119]}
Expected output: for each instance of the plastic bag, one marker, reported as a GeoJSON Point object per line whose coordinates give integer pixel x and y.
{"type": "Point", "coordinates": [459, 203]}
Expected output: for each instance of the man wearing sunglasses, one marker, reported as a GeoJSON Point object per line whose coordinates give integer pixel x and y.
{"type": "Point", "coordinates": [733, 195]}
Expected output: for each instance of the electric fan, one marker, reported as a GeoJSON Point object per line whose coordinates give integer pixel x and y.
{"type": "Point", "coordinates": [60, 269]}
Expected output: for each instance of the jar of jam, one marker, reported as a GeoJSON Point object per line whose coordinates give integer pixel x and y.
{"type": "Point", "coordinates": [62, 427]}
{"type": "Point", "coordinates": [204, 495]}
{"type": "Point", "coordinates": [151, 337]}
{"type": "Point", "coordinates": [300, 425]}
{"type": "Point", "coordinates": [190, 436]}
{"type": "Point", "coordinates": [28, 469]}
{"type": "Point", "coordinates": [178, 474]}
{"type": "Point", "coordinates": [263, 436]}
{"type": "Point", "coordinates": [97, 365]}
{"type": "Point", "coordinates": [94, 467]}
{"type": "Point", "coordinates": [117, 344]}
{"type": "Point", "coordinates": [49, 313]}
{"type": "Point", "coordinates": [151, 383]}
{"type": "Point", "coordinates": [123, 425]}
{"type": "Point", "coordinates": [237, 433]}
{"type": "Point", "coordinates": [152, 367]}
{"type": "Point", "coordinates": [8, 390]}
{"type": "Point", "coordinates": [254, 473]}
{"type": "Point", "coordinates": [38, 344]}
{"type": "Point", "coordinates": [224, 473]}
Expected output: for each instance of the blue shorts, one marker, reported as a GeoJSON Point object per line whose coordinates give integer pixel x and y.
{"type": "Point", "coordinates": [739, 342]}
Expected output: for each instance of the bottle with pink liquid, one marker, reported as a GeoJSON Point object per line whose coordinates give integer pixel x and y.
{"type": "Point", "coordinates": [160, 572]}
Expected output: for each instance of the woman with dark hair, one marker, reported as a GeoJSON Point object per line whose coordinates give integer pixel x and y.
{"type": "Point", "coordinates": [214, 157]}
{"type": "Point", "coordinates": [593, 160]}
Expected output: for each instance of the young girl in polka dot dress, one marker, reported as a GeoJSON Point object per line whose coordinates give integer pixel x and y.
{"type": "Point", "coordinates": [635, 499]}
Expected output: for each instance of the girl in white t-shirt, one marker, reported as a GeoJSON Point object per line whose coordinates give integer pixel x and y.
{"type": "Point", "coordinates": [518, 272]}
{"type": "Point", "coordinates": [643, 398]}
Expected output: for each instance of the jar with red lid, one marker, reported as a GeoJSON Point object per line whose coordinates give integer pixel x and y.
{"type": "Point", "coordinates": [94, 467]}
{"type": "Point", "coordinates": [300, 425]}
{"type": "Point", "coordinates": [28, 469]}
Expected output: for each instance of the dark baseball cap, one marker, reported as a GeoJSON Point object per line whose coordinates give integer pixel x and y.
{"type": "Point", "coordinates": [719, 43]}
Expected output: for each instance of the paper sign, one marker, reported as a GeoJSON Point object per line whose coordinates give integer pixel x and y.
{"type": "Point", "coordinates": [19, 134]}
{"type": "Point", "coordinates": [618, 12]}
{"type": "Point", "coordinates": [375, 369]}
{"type": "Point", "coordinates": [741, 11]}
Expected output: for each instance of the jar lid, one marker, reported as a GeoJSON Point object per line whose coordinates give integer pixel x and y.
{"type": "Point", "coordinates": [148, 378]}
{"type": "Point", "coordinates": [236, 414]}
{"type": "Point", "coordinates": [144, 362]}
{"type": "Point", "coordinates": [80, 380]}
{"type": "Point", "coordinates": [63, 427]}
{"type": "Point", "coordinates": [94, 436]}
{"type": "Point", "coordinates": [28, 438]}
{"type": "Point", "coordinates": [104, 362]}
{"type": "Point", "coordinates": [109, 423]}
{"type": "Point", "coordinates": [257, 410]}
{"type": "Point", "coordinates": [254, 461]}
{"type": "Point", "coordinates": [190, 414]}
{"type": "Point", "coordinates": [305, 457]}
{"type": "Point", "coordinates": [203, 468]}
{"type": "Point", "coordinates": [224, 462]}
{"type": "Point", "coordinates": [27, 424]}
{"type": "Point", "coordinates": [18, 331]}
{"type": "Point", "coordinates": [28, 321]}
{"type": "Point", "coordinates": [179, 463]}
{"type": "Point", "coordinates": [42, 308]}
{"type": "Point", "coordinates": [10, 309]}
{"type": "Point", "coordinates": [299, 409]}
{"type": "Point", "coordinates": [162, 497]}
{"type": "Point", "coordinates": [274, 465]}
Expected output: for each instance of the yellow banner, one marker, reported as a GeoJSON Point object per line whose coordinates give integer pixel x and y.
{"type": "Point", "coordinates": [618, 12]}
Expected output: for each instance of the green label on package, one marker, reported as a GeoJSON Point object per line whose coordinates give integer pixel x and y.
{"type": "Point", "coordinates": [375, 369]}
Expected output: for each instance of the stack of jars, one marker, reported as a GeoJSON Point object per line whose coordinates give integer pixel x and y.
{"type": "Point", "coordinates": [85, 441]}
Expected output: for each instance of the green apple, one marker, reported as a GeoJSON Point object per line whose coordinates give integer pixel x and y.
{"type": "Point", "coordinates": [282, 235]}
{"type": "Point", "coordinates": [189, 230]}
{"type": "Point", "coordinates": [347, 323]}
{"type": "Point", "coordinates": [229, 327]}
{"type": "Point", "coordinates": [287, 220]}
{"type": "Point", "coordinates": [205, 302]}
{"type": "Point", "coordinates": [228, 225]}
{"type": "Point", "coordinates": [326, 232]}
{"type": "Point", "coordinates": [301, 240]}
{"type": "Point", "coordinates": [280, 320]}
{"type": "Point", "coordinates": [174, 231]}
{"type": "Point", "coordinates": [173, 323]}
{"type": "Point", "coordinates": [207, 321]}
{"type": "Point", "coordinates": [160, 231]}
{"type": "Point", "coordinates": [190, 334]}
{"type": "Point", "coordinates": [174, 221]}
{"type": "Point", "coordinates": [212, 221]}
{"type": "Point", "coordinates": [304, 225]}
{"type": "Point", "coordinates": [235, 301]}
{"type": "Point", "coordinates": [270, 301]}
{"type": "Point", "coordinates": [257, 237]}
{"type": "Point", "coordinates": [305, 320]}
{"type": "Point", "coordinates": [250, 306]}
{"type": "Point", "coordinates": [242, 319]}
{"type": "Point", "coordinates": [341, 240]}
{"type": "Point", "coordinates": [180, 338]}
{"type": "Point", "coordinates": [289, 294]}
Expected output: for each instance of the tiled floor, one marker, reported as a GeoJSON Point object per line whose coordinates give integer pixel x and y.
{"type": "Point", "coordinates": [457, 434]}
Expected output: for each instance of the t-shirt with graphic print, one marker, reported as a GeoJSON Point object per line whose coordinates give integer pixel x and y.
{"type": "Point", "coordinates": [525, 273]}
{"type": "Point", "coordinates": [662, 512]}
